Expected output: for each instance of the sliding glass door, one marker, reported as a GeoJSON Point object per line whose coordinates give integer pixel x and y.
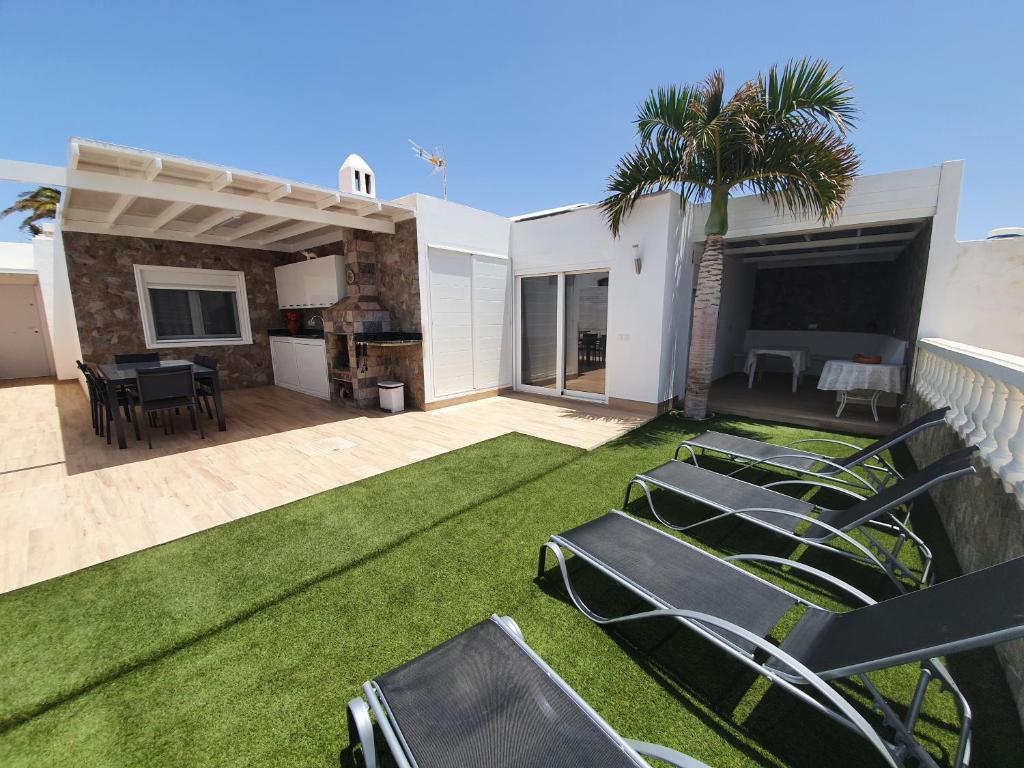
{"type": "Point", "coordinates": [538, 336]}
{"type": "Point", "coordinates": [563, 333]}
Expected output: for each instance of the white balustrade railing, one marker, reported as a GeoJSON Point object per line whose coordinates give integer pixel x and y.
{"type": "Point", "coordinates": [985, 393]}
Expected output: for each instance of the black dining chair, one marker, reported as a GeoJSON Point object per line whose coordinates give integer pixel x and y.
{"type": "Point", "coordinates": [137, 357]}
{"type": "Point", "coordinates": [101, 406]}
{"type": "Point", "coordinates": [94, 397]}
{"type": "Point", "coordinates": [204, 381]}
{"type": "Point", "coordinates": [162, 391]}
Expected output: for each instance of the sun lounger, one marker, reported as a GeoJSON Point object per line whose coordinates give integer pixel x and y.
{"type": "Point", "coordinates": [806, 522]}
{"type": "Point", "coordinates": [736, 611]}
{"type": "Point", "coordinates": [484, 698]}
{"type": "Point", "coordinates": [755, 453]}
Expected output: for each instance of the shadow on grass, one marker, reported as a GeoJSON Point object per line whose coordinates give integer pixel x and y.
{"type": "Point", "coordinates": [689, 667]}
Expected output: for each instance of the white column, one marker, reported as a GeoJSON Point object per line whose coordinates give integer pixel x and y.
{"type": "Point", "coordinates": [982, 411]}
{"type": "Point", "coordinates": [924, 376]}
{"type": "Point", "coordinates": [1013, 471]}
{"type": "Point", "coordinates": [990, 444]}
{"type": "Point", "coordinates": [1011, 421]}
{"type": "Point", "coordinates": [961, 398]}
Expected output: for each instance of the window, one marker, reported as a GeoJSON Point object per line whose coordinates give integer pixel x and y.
{"type": "Point", "coordinates": [368, 182]}
{"type": "Point", "coordinates": [192, 307]}
{"type": "Point", "coordinates": [358, 185]}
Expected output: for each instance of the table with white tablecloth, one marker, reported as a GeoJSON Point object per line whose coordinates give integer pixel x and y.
{"type": "Point", "coordinates": [850, 378]}
{"type": "Point", "coordinates": [797, 355]}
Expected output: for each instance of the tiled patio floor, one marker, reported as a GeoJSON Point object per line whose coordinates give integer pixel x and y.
{"type": "Point", "coordinates": [68, 500]}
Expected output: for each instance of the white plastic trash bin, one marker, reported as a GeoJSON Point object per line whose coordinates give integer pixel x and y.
{"type": "Point", "coordinates": [392, 396]}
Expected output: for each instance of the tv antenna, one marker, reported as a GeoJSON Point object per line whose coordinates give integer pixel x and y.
{"type": "Point", "coordinates": [436, 159]}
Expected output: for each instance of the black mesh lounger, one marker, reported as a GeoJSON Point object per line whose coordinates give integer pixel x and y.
{"type": "Point", "coordinates": [805, 522]}
{"type": "Point", "coordinates": [753, 453]}
{"type": "Point", "coordinates": [736, 611]}
{"type": "Point", "coordinates": [484, 698]}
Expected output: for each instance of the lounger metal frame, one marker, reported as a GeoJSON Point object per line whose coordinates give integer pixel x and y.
{"type": "Point", "coordinates": [880, 471]}
{"type": "Point", "coordinates": [360, 723]}
{"type": "Point", "coordinates": [875, 554]}
{"type": "Point", "coordinates": [794, 676]}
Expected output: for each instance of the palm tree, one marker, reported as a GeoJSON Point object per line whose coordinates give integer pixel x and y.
{"type": "Point", "coordinates": [40, 204]}
{"type": "Point", "coordinates": [781, 136]}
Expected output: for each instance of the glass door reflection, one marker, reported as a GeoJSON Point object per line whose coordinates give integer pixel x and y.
{"type": "Point", "coordinates": [586, 332]}
{"type": "Point", "coordinates": [538, 352]}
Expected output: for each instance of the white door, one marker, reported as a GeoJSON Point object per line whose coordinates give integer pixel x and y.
{"type": "Point", "coordinates": [491, 327]}
{"type": "Point", "coordinates": [451, 321]}
{"type": "Point", "coordinates": [286, 369]}
{"type": "Point", "coordinates": [312, 364]}
{"type": "Point", "coordinates": [22, 343]}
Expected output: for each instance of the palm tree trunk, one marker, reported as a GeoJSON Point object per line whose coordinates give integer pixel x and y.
{"type": "Point", "coordinates": [705, 327]}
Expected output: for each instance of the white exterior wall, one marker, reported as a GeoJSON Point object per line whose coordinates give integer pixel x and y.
{"type": "Point", "coordinates": [974, 294]}
{"type": "Point", "coordinates": [460, 232]}
{"type": "Point", "coordinates": [879, 198]}
{"type": "Point", "coordinates": [60, 309]}
{"type": "Point", "coordinates": [43, 258]}
{"type": "Point", "coordinates": [16, 257]}
{"type": "Point", "coordinates": [734, 314]}
{"type": "Point", "coordinates": [974, 290]}
{"type": "Point", "coordinates": [644, 311]}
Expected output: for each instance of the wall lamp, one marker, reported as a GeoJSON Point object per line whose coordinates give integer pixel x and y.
{"type": "Point", "coordinates": [637, 261]}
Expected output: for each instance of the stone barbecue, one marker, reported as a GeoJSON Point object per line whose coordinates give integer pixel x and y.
{"type": "Point", "coordinates": [364, 345]}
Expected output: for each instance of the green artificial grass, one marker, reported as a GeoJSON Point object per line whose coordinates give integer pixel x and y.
{"type": "Point", "coordinates": [241, 645]}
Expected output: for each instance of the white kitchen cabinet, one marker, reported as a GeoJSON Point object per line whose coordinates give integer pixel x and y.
{"type": "Point", "coordinates": [301, 364]}
{"type": "Point", "coordinates": [312, 283]}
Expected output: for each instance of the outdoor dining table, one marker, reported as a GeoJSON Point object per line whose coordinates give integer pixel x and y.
{"type": "Point", "coordinates": [860, 382]}
{"type": "Point", "coordinates": [119, 374]}
{"type": "Point", "coordinates": [797, 355]}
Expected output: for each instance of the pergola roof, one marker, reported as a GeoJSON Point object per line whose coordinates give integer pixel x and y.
{"type": "Point", "coordinates": [124, 191]}
{"type": "Point", "coordinates": [837, 245]}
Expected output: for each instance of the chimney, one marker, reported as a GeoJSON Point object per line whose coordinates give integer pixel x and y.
{"type": "Point", "coordinates": [357, 178]}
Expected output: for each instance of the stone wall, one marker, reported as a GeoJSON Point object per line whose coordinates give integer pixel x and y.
{"type": "Point", "coordinates": [107, 304]}
{"type": "Point", "coordinates": [840, 297]}
{"type": "Point", "coordinates": [398, 275]}
{"type": "Point", "coordinates": [983, 522]}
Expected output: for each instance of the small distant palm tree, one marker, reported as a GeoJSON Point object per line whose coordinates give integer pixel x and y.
{"type": "Point", "coordinates": [781, 136]}
{"type": "Point", "coordinates": [40, 204]}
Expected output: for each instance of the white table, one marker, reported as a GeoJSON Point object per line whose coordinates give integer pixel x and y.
{"type": "Point", "coordinates": [797, 355]}
{"type": "Point", "coordinates": [860, 382]}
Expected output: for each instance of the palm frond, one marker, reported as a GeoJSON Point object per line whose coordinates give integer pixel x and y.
{"type": "Point", "coordinates": [807, 89]}
{"type": "Point", "coordinates": [781, 136]}
{"type": "Point", "coordinates": [647, 169]}
{"type": "Point", "coordinates": [40, 204]}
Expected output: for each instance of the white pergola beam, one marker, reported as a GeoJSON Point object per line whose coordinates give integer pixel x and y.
{"type": "Point", "coordinates": [264, 222]}
{"type": "Point", "coordinates": [827, 243]}
{"type": "Point", "coordinates": [33, 173]}
{"type": "Point", "coordinates": [366, 210]}
{"type": "Point", "coordinates": [888, 250]}
{"type": "Point", "coordinates": [119, 207]}
{"type": "Point", "coordinates": [328, 201]}
{"type": "Point", "coordinates": [213, 220]}
{"type": "Point", "coordinates": [75, 155]}
{"type": "Point", "coordinates": [223, 180]}
{"type": "Point", "coordinates": [295, 229]}
{"type": "Point", "coordinates": [278, 192]}
{"type": "Point", "coordinates": [169, 214]}
{"type": "Point", "coordinates": [153, 169]}
{"type": "Point", "coordinates": [312, 242]}
{"type": "Point", "coordinates": [73, 225]}
{"type": "Point", "coordinates": [177, 193]}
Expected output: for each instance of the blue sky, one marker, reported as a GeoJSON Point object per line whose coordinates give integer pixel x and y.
{"type": "Point", "coordinates": [533, 102]}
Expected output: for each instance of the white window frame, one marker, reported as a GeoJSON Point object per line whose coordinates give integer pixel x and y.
{"type": "Point", "coordinates": [189, 279]}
